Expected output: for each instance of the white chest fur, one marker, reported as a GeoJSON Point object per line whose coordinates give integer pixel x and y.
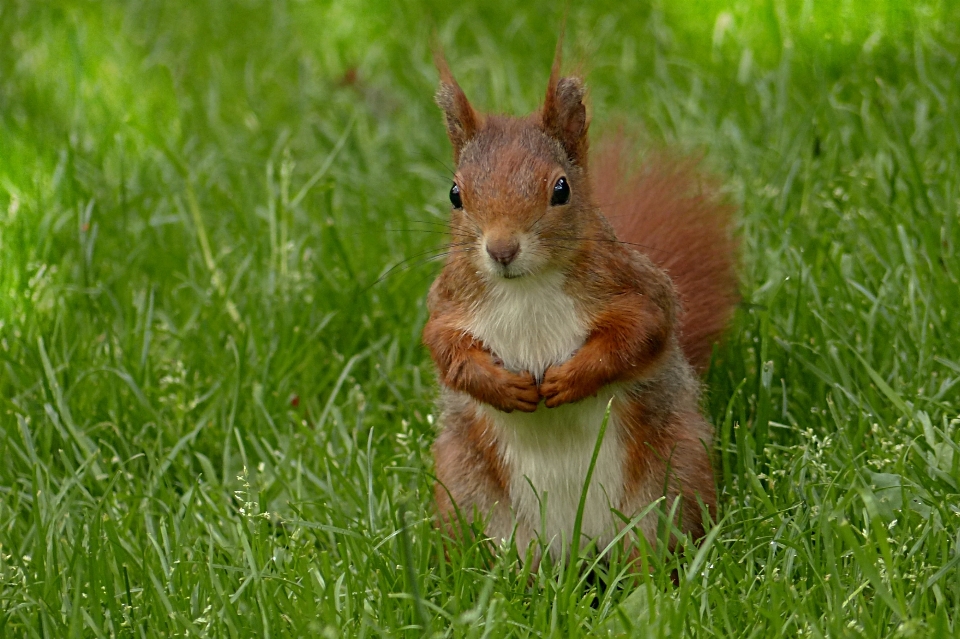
{"type": "Point", "coordinates": [532, 324]}
{"type": "Point", "coordinates": [529, 322]}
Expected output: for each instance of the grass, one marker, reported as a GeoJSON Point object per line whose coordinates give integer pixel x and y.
{"type": "Point", "coordinates": [215, 417]}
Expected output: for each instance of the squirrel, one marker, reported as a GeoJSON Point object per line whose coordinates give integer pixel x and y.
{"type": "Point", "coordinates": [546, 310]}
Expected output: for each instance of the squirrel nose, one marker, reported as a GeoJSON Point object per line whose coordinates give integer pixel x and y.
{"type": "Point", "coordinates": [503, 250]}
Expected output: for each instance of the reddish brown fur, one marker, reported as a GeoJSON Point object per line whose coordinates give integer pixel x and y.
{"type": "Point", "coordinates": [677, 217]}
{"type": "Point", "coordinates": [465, 365]}
{"type": "Point", "coordinates": [563, 115]}
{"type": "Point", "coordinates": [461, 119]}
{"type": "Point", "coordinates": [469, 469]}
{"type": "Point", "coordinates": [676, 446]}
{"type": "Point", "coordinates": [637, 337]}
{"type": "Point", "coordinates": [630, 335]}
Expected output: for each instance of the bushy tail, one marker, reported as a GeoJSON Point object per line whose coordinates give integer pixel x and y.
{"type": "Point", "coordinates": [678, 218]}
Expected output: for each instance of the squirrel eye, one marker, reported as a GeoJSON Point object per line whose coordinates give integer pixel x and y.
{"type": "Point", "coordinates": [455, 197]}
{"type": "Point", "coordinates": [561, 192]}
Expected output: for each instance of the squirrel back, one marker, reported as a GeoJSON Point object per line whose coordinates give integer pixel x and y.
{"type": "Point", "coordinates": [676, 216]}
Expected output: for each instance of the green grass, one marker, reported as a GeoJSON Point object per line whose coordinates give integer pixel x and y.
{"type": "Point", "coordinates": [215, 422]}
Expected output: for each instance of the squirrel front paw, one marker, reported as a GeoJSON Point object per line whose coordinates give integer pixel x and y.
{"type": "Point", "coordinates": [487, 381]}
{"type": "Point", "coordinates": [514, 391]}
{"type": "Point", "coordinates": [563, 385]}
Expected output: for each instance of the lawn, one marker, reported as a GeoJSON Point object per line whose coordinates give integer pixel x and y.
{"type": "Point", "coordinates": [218, 223]}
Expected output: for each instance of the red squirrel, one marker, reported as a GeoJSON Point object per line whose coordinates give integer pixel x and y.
{"type": "Point", "coordinates": [545, 310]}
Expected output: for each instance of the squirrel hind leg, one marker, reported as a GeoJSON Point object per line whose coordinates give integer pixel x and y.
{"type": "Point", "coordinates": [471, 481]}
{"type": "Point", "coordinates": [678, 459]}
{"type": "Point", "coordinates": [470, 490]}
{"type": "Point", "coordinates": [694, 472]}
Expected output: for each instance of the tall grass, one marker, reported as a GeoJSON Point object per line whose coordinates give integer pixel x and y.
{"type": "Point", "coordinates": [216, 229]}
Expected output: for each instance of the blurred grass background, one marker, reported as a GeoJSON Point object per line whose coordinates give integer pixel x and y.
{"type": "Point", "coordinates": [215, 416]}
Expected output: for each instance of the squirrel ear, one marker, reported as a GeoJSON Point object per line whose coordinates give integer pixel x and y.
{"type": "Point", "coordinates": [462, 121]}
{"type": "Point", "coordinates": [564, 117]}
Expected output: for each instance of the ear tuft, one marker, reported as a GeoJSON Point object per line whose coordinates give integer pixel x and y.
{"type": "Point", "coordinates": [461, 119]}
{"type": "Point", "coordinates": [564, 116]}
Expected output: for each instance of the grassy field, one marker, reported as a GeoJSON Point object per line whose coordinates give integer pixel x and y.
{"type": "Point", "coordinates": [215, 412]}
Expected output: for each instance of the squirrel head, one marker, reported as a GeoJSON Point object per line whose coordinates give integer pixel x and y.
{"type": "Point", "coordinates": [521, 194]}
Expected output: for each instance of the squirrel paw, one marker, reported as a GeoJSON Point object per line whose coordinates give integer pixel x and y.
{"type": "Point", "coordinates": [561, 386]}
{"type": "Point", "coordinates": [515, 392]}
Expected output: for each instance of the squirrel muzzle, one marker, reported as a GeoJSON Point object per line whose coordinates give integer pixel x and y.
{"type": "Point", "coordinates": [502, 250]}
